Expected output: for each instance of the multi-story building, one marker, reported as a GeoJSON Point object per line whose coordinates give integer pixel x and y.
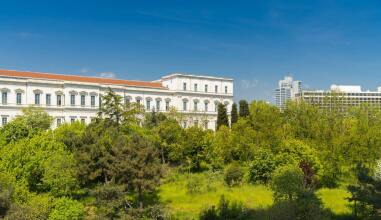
{"type": "Point", "coordinates": [341, 96]}
{"type": "Point", "coordinates": [287, 90]}
{"type": "Point", "coordinates": [68, 98]}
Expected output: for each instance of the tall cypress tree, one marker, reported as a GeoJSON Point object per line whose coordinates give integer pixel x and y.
{"type": "Point", "coordinates": [222, 117]}
{"type": "Point", "coordinates": [243, 108]}
{"type": "Point", "coordinates": [234, 114]}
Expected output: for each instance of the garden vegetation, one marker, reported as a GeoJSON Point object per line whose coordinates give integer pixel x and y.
{"type": "Point", "coordinates": [302, 163]}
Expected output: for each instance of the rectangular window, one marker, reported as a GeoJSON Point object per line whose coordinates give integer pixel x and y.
{"type": "Point", "coordinates": [206, 125]}
{"type": "Point", "coordinates": [195, 106]}
{"type": "Point", "coordinates": [59, 121]}
{"type": "Point", "coordinates": [216, 89]}
{"type": "Point", "coordinates": [92, 101]}
{"type": "Point", "coordinates": [195, 87]}
{"type": "Point", "coordinates": [206, 88]}
{"type": "Point", "coordinates": [83, 120]}
{"type": "Point", "coordinates": [206, 106]}
{"type": "Point", "coordinates": [148, 105]}
{"type": "Point", "coordinates": [72, 100]}
{"type": "Point", "coordinates": [4, 98]}
{"type": "Point", "coordinates": [196, 123]}
{"type": "Point", "coordinates": [48, 99]}
{"type": "Point", "coordinates": [83, 100]}
{"type": "Point", "coordinates": [226, 89]}
{"type": "Point", "coordinates": [18, 98]}
{"type": "Point", "coordinates": [184, 105]}
{"type": "Point", "coordinates": [216, 107]}
{"type": "Point", "coordinates": [158, 105]}
{"type": "Point", "coordinates": [36, 99]}
{"type": "Point", "coordinates": [72, 120]}
{"type": "Point", "coordinates": [4, 120]}
{"type": "Point", "coordinates": [184, 124]}
{"type": "Point", "coordinates": [59, 100]}
{"type": "Point", "coordinates": [184, 86]}
{"type": "Point", "coordinates": [167, 105]}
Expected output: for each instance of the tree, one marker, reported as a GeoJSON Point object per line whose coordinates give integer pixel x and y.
{"type": "Point", "coordinates": [287, 182]}
{"type": "Point", "coordinates": [66, 208]}
{"type": "Point", "coordinates": [243, 108]}
{"type": "Point", "coordinates": [194, 148]}
{"type": "Point", "coordinates": [170, 136]}
{"type": "Point", "coordinates": [42, 163]}
{"type": "Point", "coordinates": [137, 165]}
{"type": "Point", "coordinates": [366, 194]}
{"type": "Point", "coordinates": [234, 114]}
{"type": "Point", "coordinates": [262, 167]}
{"type": "Point", "coordinates": [32, 121]}
{"type": "Point", "coordinates": [111, 107]}
{"type": "Point", "coordinates": [222, 117]}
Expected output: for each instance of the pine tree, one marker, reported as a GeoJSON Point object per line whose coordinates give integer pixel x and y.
{"type": "Point", "coordinates": [222, 117]}
{"type": "Point", "coordinates": [243, 108]}
{"type": "Point", "coordinates": [234, 114]}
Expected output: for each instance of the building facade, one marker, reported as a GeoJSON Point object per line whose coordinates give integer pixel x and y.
{"type": "Point", "coordinates": [287, 90]}
{"type": "Point", "coordinates": [68, 98]}
{"type": "Point", "coordinates": [343, 96]}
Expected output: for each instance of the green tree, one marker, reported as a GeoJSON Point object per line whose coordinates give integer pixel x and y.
{"type": "Point", "coordinates": [32, 121]}
{"type": "Point", "coordinates": [287, 182]}
{"type": "Point", "coordinates": [65, 209]}
{"type": "Point", "coordinates": [42, 163]}
{"type": "Point", "coordinates": [195, 147]}
{"type": "Point", "coordinates": [366, 194]}
{"type": "Point", "coordinates": [262, 167]}
{"type": "Point", "coordinates": [234, 114]}
{"type": "Point", "coordinates": [222, 117]}
{"type": "Point", "coordinates": [266, 120]}
{"type": "Point", "coordinates": [170, 135]}
{"type": "Point", "coordinates": [243, 108]}
{"type": "Point", "coordinates": [137, 165]}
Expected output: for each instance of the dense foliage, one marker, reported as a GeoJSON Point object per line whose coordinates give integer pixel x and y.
{"type": "Point", "coordinates": [112, 168]}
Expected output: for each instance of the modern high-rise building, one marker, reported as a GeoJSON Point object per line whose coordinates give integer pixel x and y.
{"type": "Point", "coordinates": [68, 98]}
{"type": "Point", "coordinates": [287, 90]}
{"type": "Point", "coordinates": [343, 96]}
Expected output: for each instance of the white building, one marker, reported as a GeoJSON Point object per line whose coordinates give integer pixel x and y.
{"type": "Point", "coordinates": [287, 90]}
{"type": "Point", "coordinates": [345, 96]}
{"type": "Point", "coordinates": [68, 98]}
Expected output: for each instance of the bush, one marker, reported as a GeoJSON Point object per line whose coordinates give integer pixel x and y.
{"type": "Point", "coordinates": [287, 182]}
{"type": "Point", "coordinates": [233, 174]}
{"type": "Point", "coordinates": [225, 210]}
{"type": "Point", "coordinates": [262, 167]}
{"type": "Point", "coordinates": [65, 208]}
{"type": "Point", "coordinates": [194, 184]}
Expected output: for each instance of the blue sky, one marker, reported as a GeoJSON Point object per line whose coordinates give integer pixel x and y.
{"type": "Point", "coordinates": [254, 42]}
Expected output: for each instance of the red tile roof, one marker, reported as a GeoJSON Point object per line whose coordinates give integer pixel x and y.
{"type": "Point", "coordinates": [73, 78]}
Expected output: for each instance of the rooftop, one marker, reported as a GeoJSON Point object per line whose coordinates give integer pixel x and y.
{"type": "Point", "coordinates": [74, 78]}
{"type": "Point", "coordinates": [195, 76]}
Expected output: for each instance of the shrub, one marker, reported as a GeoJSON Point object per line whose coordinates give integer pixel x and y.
{"type": "Point", "coordinates": [287, 182]}
{"type": "Point", "coordinates": [225, 210]}
{"type": "Point", "coordinates": [262, 167]}
{"type": "Point", "coordinates": [194, 184]}
{"type": "Point", "coordinates": [233, 174]}
{"type": "Point", "coordinates": [65, 208]}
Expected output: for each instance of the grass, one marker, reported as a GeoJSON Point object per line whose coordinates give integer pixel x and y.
{"type": "Point", "coordinates": [335, 200]}
{"type": "Point", "coordinates": [209, 187]}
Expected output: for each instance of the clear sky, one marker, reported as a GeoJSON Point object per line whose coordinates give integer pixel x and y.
{"type": "Point", "coordinates": [254, 42]}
